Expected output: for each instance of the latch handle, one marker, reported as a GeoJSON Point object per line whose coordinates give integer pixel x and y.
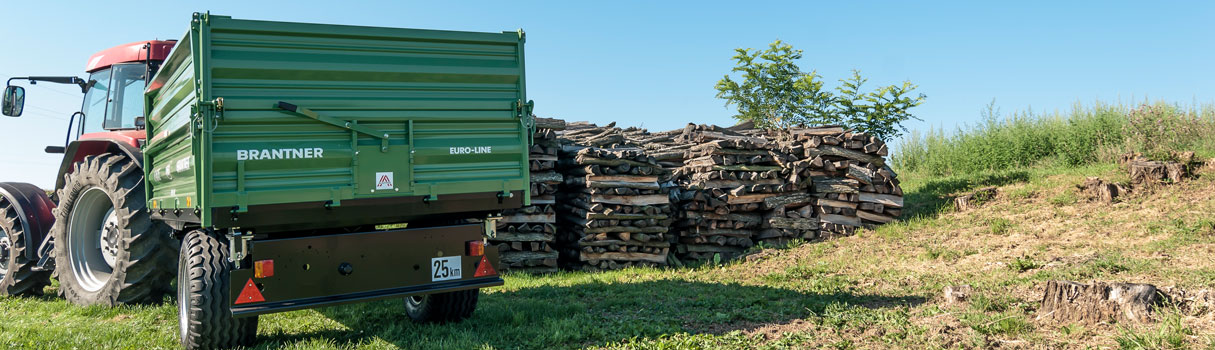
{"type": "Point", "coordinates": [334, 121]}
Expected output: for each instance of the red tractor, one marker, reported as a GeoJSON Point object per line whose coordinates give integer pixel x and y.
{"type": "Point", "coordinates": [95, 232]}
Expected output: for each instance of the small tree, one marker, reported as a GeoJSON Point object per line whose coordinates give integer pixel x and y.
{"type": "Point", "coordinates": [775, 93]}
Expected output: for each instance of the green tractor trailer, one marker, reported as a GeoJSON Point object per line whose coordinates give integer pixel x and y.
{"type": "Point", "coordinates": [271, 166]}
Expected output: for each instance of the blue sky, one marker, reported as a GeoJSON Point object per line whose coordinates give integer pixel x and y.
{"type": "Point", "coordinates": [653, 64]}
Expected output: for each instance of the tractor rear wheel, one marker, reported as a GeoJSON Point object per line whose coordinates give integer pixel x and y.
{"type": "Point", "coordinates": [17, 274]}
{"type": "Point", "coordinates": [204, 319]}
{"type": "Point", "coordinates": [442, 307]}
{"type": "Point", "coordinates": [108, 251]}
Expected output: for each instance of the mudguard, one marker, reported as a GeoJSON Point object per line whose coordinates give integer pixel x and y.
{"type": "Point", "coordinates": [34, 207]}
{"type": "Point", "coordinates": [77, 150]}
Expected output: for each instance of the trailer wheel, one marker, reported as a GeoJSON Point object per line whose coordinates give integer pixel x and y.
{"type": "Point", "coordinates": [108, 251]}
{"type": "Point", "coordinates": [442, 307]}
{"type": "Point", "coordinates": [205, 321]}
{"type": "Point", "coordinates": [17, 275]}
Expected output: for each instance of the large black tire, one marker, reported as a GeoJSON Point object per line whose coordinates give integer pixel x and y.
{"type": "Point", "coordinates": [18, 275]}
{"type": "Point", "coordinates": [442, 307]}
{"type": "Point", "coordinates": [141, 270]}
{"type": "Point", "coordinates": [205, 321]}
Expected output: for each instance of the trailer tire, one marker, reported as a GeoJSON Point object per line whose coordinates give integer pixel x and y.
{"type": "Point", "coordinates": [17, 274]}
{"type": "Point", "coordinates": [442, 307]}
{"type": "Point", "coordinates": [105, 194]}
{"type": "Point", "coordinates": [204, 318]}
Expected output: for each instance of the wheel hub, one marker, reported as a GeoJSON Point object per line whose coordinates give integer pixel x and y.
{"type": "Point", "coordinates": [92, 241]}
{"type": "Point", "coordinates": [109, 238]}
{"type": "Point", "coordinates": [5, 246]}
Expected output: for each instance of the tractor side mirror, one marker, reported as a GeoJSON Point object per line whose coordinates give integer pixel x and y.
{"type": "Point", "coordinates": [14, 101]}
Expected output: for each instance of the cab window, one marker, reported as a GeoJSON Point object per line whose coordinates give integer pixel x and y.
{"type": "Point", "coordinates": [116, 99]}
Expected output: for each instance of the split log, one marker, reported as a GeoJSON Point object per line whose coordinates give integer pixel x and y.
{"type": "Point", "coordinates": [631, 256]}
{"type": "Point", "coordinates": [835, 185]}
{"type": "Point", "coordinates": [883, 199]}
{"type": "Point", "coordinates": [788, 199]}
{"type": "Point", "coordinates": [550, 123]}
{"type": "Point", "coordinates": [875, 217]}
{"type": "Point", "coordinates": [750, 198]}
{"type": "Point", "coordinates": [612, 184]}
{"type": "Point", "coordinates": [652, 199]}
{"type": "Point", "coordinates": [548, 176]}
{"type": "Point", "coordinates": [828, 150]}
{"type": "Point", "coordinates": [858, 173]}
{"type": "Point", "coordinates": [791, 223]}
{"type": "Point", "coordinates": [514, 256]}
{"type": "Point", "coordinates": [840, 220]}
{"type": "Point", "coordinates": [502, 236]}
{"type": "Point", "coordinates": [529, 218]}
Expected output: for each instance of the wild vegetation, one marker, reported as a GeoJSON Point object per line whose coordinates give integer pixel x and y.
{"type": "Point", "coordinates": [1084, 135]}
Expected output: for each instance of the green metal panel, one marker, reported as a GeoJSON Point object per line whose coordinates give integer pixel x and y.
{"type": "Point", "coordinates": [451, 104]}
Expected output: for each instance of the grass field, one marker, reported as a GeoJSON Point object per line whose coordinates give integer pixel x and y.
{"type": "Point", "coordinates": [877, 289]}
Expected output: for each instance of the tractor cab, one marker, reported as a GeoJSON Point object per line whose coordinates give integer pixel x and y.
{"type": "Point", "coordinates": [113, 93]}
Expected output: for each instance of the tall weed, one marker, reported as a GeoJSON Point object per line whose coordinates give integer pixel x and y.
{"type": "Point", "coordinates": [1086, 134]}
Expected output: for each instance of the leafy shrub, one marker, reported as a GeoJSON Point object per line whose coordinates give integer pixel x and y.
{"type": "Point", "coordinates": [773, 92]}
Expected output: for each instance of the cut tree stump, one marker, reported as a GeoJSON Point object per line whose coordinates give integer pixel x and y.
{"type": "Point", "coordinates": [1100, 302]}
{"type": "Point", "coordinates": [1150, 171]}
{"type": "Point", "coordinates": [974, 199]}
{"type": "Point", "coordinates": [957, 294]}
{"type": "Point", "coordinates": [1104, 191]}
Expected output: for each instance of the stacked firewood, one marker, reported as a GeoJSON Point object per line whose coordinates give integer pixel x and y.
{"type": "Point", "coordinates": [852, 184]}
{"type": "Point", "coordinates": [526, 236]}
{"type": "Point", "coordinates": [729, 189]}
{"type": "Point", "coordinates": [612, 211]}
{"type": "Point", "coordinates": [732, 190]}
{"type": "Point", "coordinates": [583, 134]}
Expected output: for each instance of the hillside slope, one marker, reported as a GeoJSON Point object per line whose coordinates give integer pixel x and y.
{"type": "Point", "coordinates": [877, 289]}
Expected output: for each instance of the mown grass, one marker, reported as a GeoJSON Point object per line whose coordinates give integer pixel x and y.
{"type": "Point", "coordinates": [877, 289]}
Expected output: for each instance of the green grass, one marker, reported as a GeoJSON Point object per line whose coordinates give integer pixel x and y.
{"type": "Point", "coordinates": [873, 290]}
{"type": "Point", "coordinates": [1084, 135]}
{"type": "Point", "coordinates": [877, 289]}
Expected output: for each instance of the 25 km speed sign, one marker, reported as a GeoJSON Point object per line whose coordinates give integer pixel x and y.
{"type": "Point", "coordinates": [445, 268]}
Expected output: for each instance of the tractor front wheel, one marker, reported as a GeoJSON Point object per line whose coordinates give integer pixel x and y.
{"type": "Point", "coordinates": [108, 251]}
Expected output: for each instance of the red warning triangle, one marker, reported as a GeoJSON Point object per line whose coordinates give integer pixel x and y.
{"type": "Point", "coordinates": [250, 294]}
{"type": "Point", "coordinates": [484, 268]}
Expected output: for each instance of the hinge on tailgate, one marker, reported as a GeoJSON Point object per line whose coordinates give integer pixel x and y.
{"type": "Point", "coordinates": [238, 245]}
{"type": "Point", "coordinates": [491, 226]}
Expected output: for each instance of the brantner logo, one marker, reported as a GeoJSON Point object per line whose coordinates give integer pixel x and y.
{"type": "Point", "coordinates": [280, 153]}
{"type": "Point", "coordinates": [383, 181]}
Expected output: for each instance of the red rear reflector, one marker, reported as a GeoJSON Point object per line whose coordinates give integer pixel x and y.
{"type": "Point", "coordinates": [250, 294]}
{"type": "Point", "coordinates": [484, 268]}
{"type": "Point", "coordinates": [263, 268]}
{"type": "Point", "coordinates": [476, 248]}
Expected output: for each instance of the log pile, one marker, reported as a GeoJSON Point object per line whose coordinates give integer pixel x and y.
{"type": "Point", "coordinates": [852, 184]}
{"type": "Point", "coordinates": [733, 190]}
{"type": "Point", "coordinates": [526, 237]}
{"type": "Point", "coordinates": [730, 188]}
{"type": "Point", "coordinates": [612, 211]}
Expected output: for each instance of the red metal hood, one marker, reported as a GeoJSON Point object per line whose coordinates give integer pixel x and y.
{"type": "Point", "coordinates": [132, 52]}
